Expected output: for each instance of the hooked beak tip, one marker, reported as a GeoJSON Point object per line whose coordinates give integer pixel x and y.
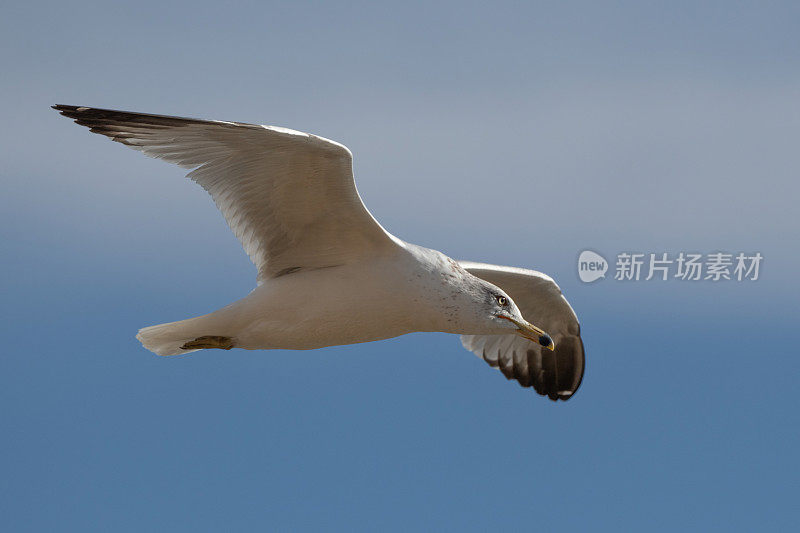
{"type": "Point", "coordinates": [531, 332]}
{"type": "Point", "coordinates": [547, 342]}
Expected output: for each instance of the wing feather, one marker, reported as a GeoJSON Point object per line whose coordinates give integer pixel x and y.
{"type": "Point", "coordinates": [288, 196]}
{"type": "Point", "coordinates": [557, 374]}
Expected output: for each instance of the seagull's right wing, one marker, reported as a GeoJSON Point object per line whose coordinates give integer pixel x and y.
{"type": "Point", "coordinates": [288, 196]}
{"type": "Point", "coordinates": [556, 374]}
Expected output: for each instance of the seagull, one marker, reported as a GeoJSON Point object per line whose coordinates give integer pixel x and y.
{"type": "Point", "coordinates": [328, 273]}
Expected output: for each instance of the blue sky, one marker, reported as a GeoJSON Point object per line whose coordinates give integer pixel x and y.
{"type": "Point", "coordinates": [512, 133]}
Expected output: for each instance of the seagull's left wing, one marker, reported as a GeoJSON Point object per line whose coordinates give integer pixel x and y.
{"type": "Point", "coordinates": [288, 196]}
{"type": "Point", "coordinates": [557, 374]}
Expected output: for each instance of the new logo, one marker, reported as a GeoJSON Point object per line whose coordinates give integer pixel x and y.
{"type": "Point", "coordinates": [591, 266]}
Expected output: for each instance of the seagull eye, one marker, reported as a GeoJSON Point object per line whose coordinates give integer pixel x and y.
{"type": "Point", "coordinates": [502, 300]}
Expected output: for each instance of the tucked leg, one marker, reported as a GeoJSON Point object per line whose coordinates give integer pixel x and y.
{"type": "Point", "coordinates": [209, 341]}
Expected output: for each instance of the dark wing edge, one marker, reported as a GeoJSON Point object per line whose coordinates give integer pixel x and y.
{"type": "Point", "coordinates": [555, 374]}
{"type": "Point", "coordinates": [97, 119]}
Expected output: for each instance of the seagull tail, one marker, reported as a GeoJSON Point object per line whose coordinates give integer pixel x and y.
{"type": "Point", "coordinates": [184, 336]}
{"type": "Point", "coordinates": [165, 339]}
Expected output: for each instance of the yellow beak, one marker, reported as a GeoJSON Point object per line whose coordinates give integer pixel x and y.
{"type": "Point", "coordinates": [532, 333]}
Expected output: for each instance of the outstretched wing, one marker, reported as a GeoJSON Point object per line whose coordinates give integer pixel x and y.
{"type": "Point", "coordinates": [288, 196]}
{"type": "Point", "coordinates": [555, 374]}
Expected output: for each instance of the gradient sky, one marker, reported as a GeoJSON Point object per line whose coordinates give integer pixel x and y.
{"type": "Point", "coordinates": [511, 133]}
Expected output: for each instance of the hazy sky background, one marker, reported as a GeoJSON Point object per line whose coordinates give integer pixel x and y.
{"type": "Point", "coordinates": [512, 133]}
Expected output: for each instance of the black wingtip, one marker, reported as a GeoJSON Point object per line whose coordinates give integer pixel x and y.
{"type": "Point", "coordinates": [70, 111]}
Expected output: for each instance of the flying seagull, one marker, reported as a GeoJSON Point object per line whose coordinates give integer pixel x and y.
{"type": "Point", "coordinates": [328, 273]}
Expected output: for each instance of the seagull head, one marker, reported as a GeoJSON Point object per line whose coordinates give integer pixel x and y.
{"type": "Point", "coordinates": [504, 313]}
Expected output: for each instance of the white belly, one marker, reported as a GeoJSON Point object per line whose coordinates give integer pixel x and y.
{"type": "Point", "coordinates": [326, 307]}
